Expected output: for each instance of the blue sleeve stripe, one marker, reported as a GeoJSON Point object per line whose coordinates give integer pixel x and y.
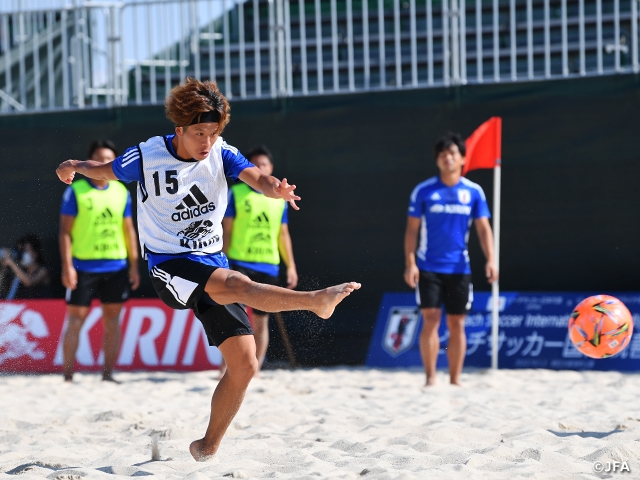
{"type": "Point", "coordinates": [129, 157]}
{"type": "Point", "coordinates": [420, 186]}
{"type": "Point", "coordinates": [232, 149]}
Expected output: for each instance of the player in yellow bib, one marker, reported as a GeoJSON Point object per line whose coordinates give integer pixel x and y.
{"type": "Point", "coordinates": [256, 236]}
{"type": "Point", "coordinates": [98, 247]}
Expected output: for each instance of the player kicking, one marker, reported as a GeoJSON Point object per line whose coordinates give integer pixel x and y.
{"type": "Point", "coordinates": [182, 198]}
{"type": "Point", "coordinates": [441, 210]}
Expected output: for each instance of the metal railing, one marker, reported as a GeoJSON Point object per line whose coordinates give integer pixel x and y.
{"type": "Point", "coordinates": [108, 53]}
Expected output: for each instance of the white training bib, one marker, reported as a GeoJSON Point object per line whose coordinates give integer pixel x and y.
{"type": "Point", "coordinates": [180, 203]}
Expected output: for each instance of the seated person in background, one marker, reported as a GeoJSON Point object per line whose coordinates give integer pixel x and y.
{"type": "Point", "coordinates": [32, 278]}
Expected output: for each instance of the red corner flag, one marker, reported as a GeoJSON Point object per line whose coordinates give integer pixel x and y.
{"type": "Point", "coordinates": [484, 146]}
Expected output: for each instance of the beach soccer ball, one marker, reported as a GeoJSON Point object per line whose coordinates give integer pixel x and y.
{"type": "Point", "coordinates": [600, 326]}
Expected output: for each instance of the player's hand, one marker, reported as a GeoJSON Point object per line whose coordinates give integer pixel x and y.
{"type": "Point", "coordinates": [285, 191]}
{"type": "Point", "coordinates": [292, 278]}
{"type": "Point", "coordinates": [134, 277]}
{"type": "Point", "coordinates": [491, 272]}
{"type": "Point", "coordinates": [411, 275]}
{"type": "Point", "coordinates": [66, 171]}
{"type": "Point", "coordinates": [70, 278]}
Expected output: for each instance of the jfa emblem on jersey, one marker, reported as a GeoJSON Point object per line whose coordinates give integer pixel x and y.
{"type": "Point", "coordinates": [400, 333]}
{"type": "Point", "coordinates": [464, 196]}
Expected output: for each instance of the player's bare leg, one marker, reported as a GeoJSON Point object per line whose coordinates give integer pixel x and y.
{"type": "Point", "coordinates": [111, 339]}
{"type": "Point", "coordinates": [261, 334]}
{"type": "Point", "coordinates": [223, 369]}
{"type": "Point", "coordinates": [430, 342]}
{"type": "Point", "coordinates": [76, 315]}
{"type": "Point", "coordinates": [240, 356]}
{"type": "Point", "coordinates": [457, 347]}
{"type": "Point", "coordinates": [227, 286]}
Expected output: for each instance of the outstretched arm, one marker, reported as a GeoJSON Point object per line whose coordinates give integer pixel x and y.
{"type": "Point", "coordinates": [485, 234]}
{"type": "Point", "coordinates": [89, 168]}
{"type": "Point", "coordinates": [269, 186]}
{"type": "Point", "coordinates": [411, 272]}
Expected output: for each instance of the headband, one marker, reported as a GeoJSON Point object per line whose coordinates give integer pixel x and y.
{"type": "Point", "coordinates": [212, 116]}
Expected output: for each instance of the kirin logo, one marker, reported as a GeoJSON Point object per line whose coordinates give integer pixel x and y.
{"type": "Point", "coordinates": [401, 330]}
{"type": "Point", "coordinates": [19, 330]}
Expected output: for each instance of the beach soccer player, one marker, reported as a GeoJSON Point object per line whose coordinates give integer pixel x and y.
{"type": "Point", "coordinates": [99, 252]}
{"type": "Point", "coordinates": [441, 210]}
{"type": "Point", "coordinates": [256, 236]}
{"type": "Point", "coordinates": [182, 198]}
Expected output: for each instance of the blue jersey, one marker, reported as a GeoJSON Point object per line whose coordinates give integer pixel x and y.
{"type": "Point", "coordinates": [446, 214]}
{"type": "Point", "coordinates": [129, 168]}
{"type": "Point", "coordinates": [267, 268]}
{"type": "Point", "coordinates": [70, 207]}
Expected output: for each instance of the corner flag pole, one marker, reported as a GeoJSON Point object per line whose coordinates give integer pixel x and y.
{"type": "Point", "coordinates": [495, 287]}
{"type": "Point", "coordinates": [484, 150]}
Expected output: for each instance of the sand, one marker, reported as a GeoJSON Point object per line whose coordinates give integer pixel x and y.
{"type": "Point", "coordinates": [324, 423]}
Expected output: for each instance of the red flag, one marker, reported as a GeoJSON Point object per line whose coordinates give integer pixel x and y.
{"type": "Point", "coordinates": [484, 146]}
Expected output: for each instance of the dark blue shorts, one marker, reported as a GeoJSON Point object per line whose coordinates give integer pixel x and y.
{"type": "Point", "coordinates": [180, 284]}
{"type": "Point", "coordinates": [454, 290]}
{"type": "Point", "coordinates": [108, 287]}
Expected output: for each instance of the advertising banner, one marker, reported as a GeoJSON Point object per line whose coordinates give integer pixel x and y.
{"type": "Point", "coordinates": [533, 333]}
{"type": "Point", "coordinates": [154, 337]}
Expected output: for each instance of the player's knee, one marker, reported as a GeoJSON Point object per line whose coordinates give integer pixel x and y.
{"type": "Point", "coordinates": [111, 323]}
{"type": "Point", "coordinates": [74, 324]}
{"type": "Point", "coordinates": [431, 320]}
{"type": "Point", "coordinates": [238, 282]}
{"type": "Point", "coordinates": [456, 328]}
{"type": "Point", "coordinates": [245, 369]}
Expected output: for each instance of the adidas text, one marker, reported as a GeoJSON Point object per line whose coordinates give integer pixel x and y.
{"type": "Point", "coordinates": [193, 212]}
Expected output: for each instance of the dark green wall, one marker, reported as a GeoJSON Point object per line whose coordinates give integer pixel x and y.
{"type": "Point", "coordinates": [571, 160]}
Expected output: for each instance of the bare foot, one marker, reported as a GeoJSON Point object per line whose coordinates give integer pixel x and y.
{"type": "Point", "coordinates": [106, 377]}
{"type": "Point", "coordinates": [200, 452]}
{"type": "Point", "coordinates": [430, 382]}
{"type": "Point", "coordinates": [332, 296]}
{"type": "Point", "coordinates": [456, 383]}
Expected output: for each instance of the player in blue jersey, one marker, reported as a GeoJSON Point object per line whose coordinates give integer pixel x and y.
{"type": "Point", "coordinates": [441, 211]}
{"type": "Point", "coordinates": [182, 198]}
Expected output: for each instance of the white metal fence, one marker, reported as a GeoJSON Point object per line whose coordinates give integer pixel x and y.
{"type": "Point", "coordinates": [106, 53]}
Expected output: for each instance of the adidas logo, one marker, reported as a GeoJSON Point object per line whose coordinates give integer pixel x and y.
{"type": "Point", "coordinates": [105, 218]}
{"type": "Point", "coordinates": [193, 205]}
{"type": "Point", "coordinates": [435, 196]}
{"type": "Point", "coordinates": [260, 221]}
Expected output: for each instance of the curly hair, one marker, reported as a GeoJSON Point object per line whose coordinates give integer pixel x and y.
{"type": "Point", "coordinates": [192, 98]}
